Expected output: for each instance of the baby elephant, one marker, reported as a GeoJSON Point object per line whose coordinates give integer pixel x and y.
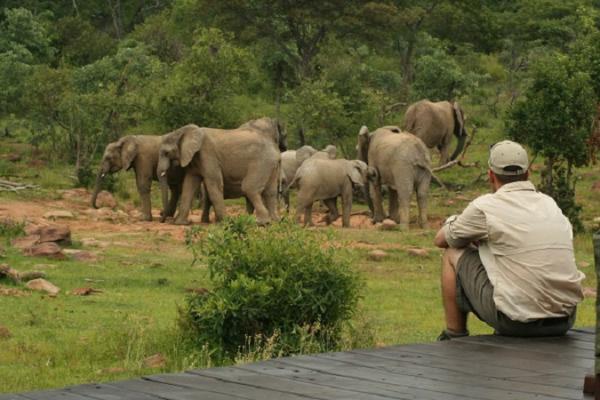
{"type": "Point", "coordinates": [324, 179]}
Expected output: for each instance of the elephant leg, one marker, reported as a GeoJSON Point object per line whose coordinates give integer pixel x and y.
{"type": "Point", "coordinates": [144, 189]}
{"type": "Point", "coordinates": [333, 213]}
{"type": "Point", "coordinates": [286, 200]}
{"type": "Point", "coordinates": [270, 195]}
{"type": "Point", "coordinates": [393, 204]}
{"type": "Point", "coordinates": [444, 157]}
{"type": "Point", "coordinates": [252, 188]}
{"type": "Point", "coordinates": [190, 186]}
{"type": "Point", "coordinates": [422, 194]}
{"type": "Point", "coordinates": [206, 205]}
{"type": "Point", "coordinates": [404, 188]}
{"type": "Point", "coordinates": [249, 206]}
{"type": "Point", "coordinates": [172, 205]}
{"type": "Point", "coordinates": [214, 195]}
{"type": "Point", "coordinates": [308, 215]}
{"type": "Point", "coordinates": [346, 204]}
{"type": "Point", "coordinates": [378, 215]}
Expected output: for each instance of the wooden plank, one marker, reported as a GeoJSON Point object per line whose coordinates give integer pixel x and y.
{"type": "Point", "coordinates": [9, 396]}
{"type": "Point", "coordinates": [364, 357]}
{"type": "Point", "coordinates": [286, 384]}
{"type": "Point", "coordinates": [107, 392]}
{"type": "Point", "coordinates": [568, 347]}
{"type": "Point", "coordinates": [477, 362]}
{"type": "Point", "coordinates": [553, 381]}
{"type": "Point", "coordinates": [460, 385]}
{"type": "Point", "coordinates": [54, 395]}
{"type": "Point", "coordinates": [482, 354]}
{"type": "Point", "coordinates": [170, 392]}
{"type": "Point", "coordinates": [390, 372]}
{"type": "Point", "coordinates": [203, 382]}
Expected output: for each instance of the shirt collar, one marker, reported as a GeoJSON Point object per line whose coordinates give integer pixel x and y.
{"type": "Point", "coordinates": [516, 186]}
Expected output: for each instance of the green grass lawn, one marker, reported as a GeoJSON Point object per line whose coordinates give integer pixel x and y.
{"type": "Point", "coordinates": [143, 276]}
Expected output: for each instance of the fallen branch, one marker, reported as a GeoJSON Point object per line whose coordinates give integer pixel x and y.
{"type": "Point", "coordinates": [460, 158]}
{"type": "Point", "coordinates": [8, 186]}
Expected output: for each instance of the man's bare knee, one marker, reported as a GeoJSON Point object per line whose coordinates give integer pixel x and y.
{"type": "Point", "coordinates": [452, 255]}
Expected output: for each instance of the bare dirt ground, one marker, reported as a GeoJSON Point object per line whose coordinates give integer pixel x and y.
{"type": "Point", "coordinates": [123, 219]}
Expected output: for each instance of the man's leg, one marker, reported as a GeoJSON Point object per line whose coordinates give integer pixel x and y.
{"type": "Point", "coordinates": [456, 320]}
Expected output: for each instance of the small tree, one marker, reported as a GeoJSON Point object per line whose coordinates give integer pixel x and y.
{"type": "Point", "coordinates": [553, 118]}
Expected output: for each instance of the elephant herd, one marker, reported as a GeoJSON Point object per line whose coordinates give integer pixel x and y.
{"type": "Point", "coordinates": [252, 161]}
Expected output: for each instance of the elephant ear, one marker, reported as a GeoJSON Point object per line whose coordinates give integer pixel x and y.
{"type": "Point", "coordinates": [459, 120]}
{"type": "Point", "coordinates": [304, 153]}
{"type": "Point", "coordinates": [356, 172]}
{"type": "Point", "coordinates": [331, 151]}
{"type": "Point", "coordinates": [189, 145]}
{"type": "Point", "coordinates": [128, 151]}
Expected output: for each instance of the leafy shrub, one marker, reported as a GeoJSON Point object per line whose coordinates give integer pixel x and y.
{"type": "Point", "coordinates": [277, 290]}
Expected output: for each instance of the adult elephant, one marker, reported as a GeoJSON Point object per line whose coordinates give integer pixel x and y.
{"type": "Point", "coordinates": [242, 160]}
{"type": "Point", "coordinates": [326, 180]}
{"type": "Point", "coordinates": [435, 123]}
{"type": "Point", "coordinates": [403, 164]}
{"type": "Point", "coordinates": [291, 160]}
{"type": "Point", "coordinates": [140, 153]}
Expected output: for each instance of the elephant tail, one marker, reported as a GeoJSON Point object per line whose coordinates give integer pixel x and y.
{"type": "Point", "coordinates": [460, 145]}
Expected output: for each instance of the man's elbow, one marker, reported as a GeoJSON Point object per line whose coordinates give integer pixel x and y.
{"type": "Point", "coordinates": [440, 239]}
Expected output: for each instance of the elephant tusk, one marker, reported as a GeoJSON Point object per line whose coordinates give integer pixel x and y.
{"type": "Point", "coordinates": [102, 175]}
{"type": "Point", "coordinates": [163, 174]}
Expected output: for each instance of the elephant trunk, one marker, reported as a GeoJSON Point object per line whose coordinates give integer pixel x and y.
{"type": "Point", "coordinates": [367, 194]}
{"type": "Point", "coordinates": [460, 145]}
{"type": "Point", "coordinates": [99, 178]}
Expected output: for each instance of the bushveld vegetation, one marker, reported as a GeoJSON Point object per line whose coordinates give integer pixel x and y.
{"type": "Point", "coordinates": [76, 75]}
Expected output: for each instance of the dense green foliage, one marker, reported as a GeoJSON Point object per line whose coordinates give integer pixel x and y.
{"type": "Point", "coordinates": [76, 75]}
{"type": "Point", "coordinates": [277, 285]}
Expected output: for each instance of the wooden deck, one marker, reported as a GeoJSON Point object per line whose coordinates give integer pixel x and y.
{"type": "Point", "coordinates": [480, 367]}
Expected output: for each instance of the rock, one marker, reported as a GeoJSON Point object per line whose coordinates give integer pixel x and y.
{"type": "Point", "coordinates": [91, 242]}
{"type": "Point", "coordinates": [81, 255]}
{"type": "Point", "coordinates": [14, 157]}
{"type": "Point", "coordinates": [30, 275]}
{"type": "Point", "coordinates": [23, 243]}
{"type": "Point", "coordinates": [43, 285]}
{"type": "Point", "coordinates": [377, 255]}
{"type": "Point", "coordinates": [596, 186]}
{"type": "Point", "coordinates": [4, 333]}
{"type": "Point", "coordinates": [418, 252]}
{"type": "Point", "coordinates": [122, 214]}
{"type": "Point", "coordinates": [583, 264]}
{"type": "Point", "coordinates": [155, 361]}
{"type": "Point", "coordinates": [48, 249]}
{"type": "Point", "coordinates": [12, 292]}
{"type": "Point", "coordinates": [59, 214]}
{"type": "Point", "coordinates": [596, 220]}
{"type": "Point", "coordinates": [85, 291]}
{"type": "Point", "coordinates": [105, 199]}
{"type": "Point", "coordinates": [8, 272]}
{"type": "Point", "coordinates": [388, 225]}
{"type": "Point", "coordinates": [60, 234]}
{"type": "Point", "coordinates": [137, 214]}
{"type": "Point", "coordinates": [589, 292]}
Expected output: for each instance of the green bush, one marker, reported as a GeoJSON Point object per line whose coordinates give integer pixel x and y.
{"type": "Point", "coordinates": [279, 290]}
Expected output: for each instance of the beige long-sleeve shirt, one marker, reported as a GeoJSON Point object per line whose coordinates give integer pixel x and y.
{"type": "Point", "coordinates": [526, 247]}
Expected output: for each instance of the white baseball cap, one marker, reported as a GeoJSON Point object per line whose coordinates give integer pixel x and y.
{"type": "Point", "coordinates": [508, 158]}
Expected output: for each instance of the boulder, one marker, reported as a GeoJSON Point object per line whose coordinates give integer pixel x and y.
{"type": "Point", "coordinates": [43, 286]}
{"type": "Point", "coordinates": [92, 242]}
{"type": "Point", "coordinates": [377, 255]}
{"type": "Point", "coordinates": [105, 199]}
{"type": "Point", "coordinates": [26, 242]}
{"type": "Point", "coordinates": [388, 225]}
{"type": "Point", "coordinates": [48, 249]}
{"type": "Point", "coordinates": [59, 214]}
{"type": "Point", "coordinates": [4, 333]}
{"type": "Point", "coordinates": [418, 252]}
{"type": "Point", "coordinates": [60, 234]}
{"type": "Point", "coordinates": [155, 361]}
{"type": "Point", "coordinates": [80, 255]}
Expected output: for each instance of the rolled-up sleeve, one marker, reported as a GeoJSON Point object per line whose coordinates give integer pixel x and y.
{"type": "Point", "coordinates": [468, 227]}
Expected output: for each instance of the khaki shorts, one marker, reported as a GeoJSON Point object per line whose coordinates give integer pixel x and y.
{"type": "Point", "coordinates": [475, 293]}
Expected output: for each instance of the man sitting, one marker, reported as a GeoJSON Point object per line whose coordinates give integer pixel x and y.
{"type": "Point", "coordinates": [509, 257]}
